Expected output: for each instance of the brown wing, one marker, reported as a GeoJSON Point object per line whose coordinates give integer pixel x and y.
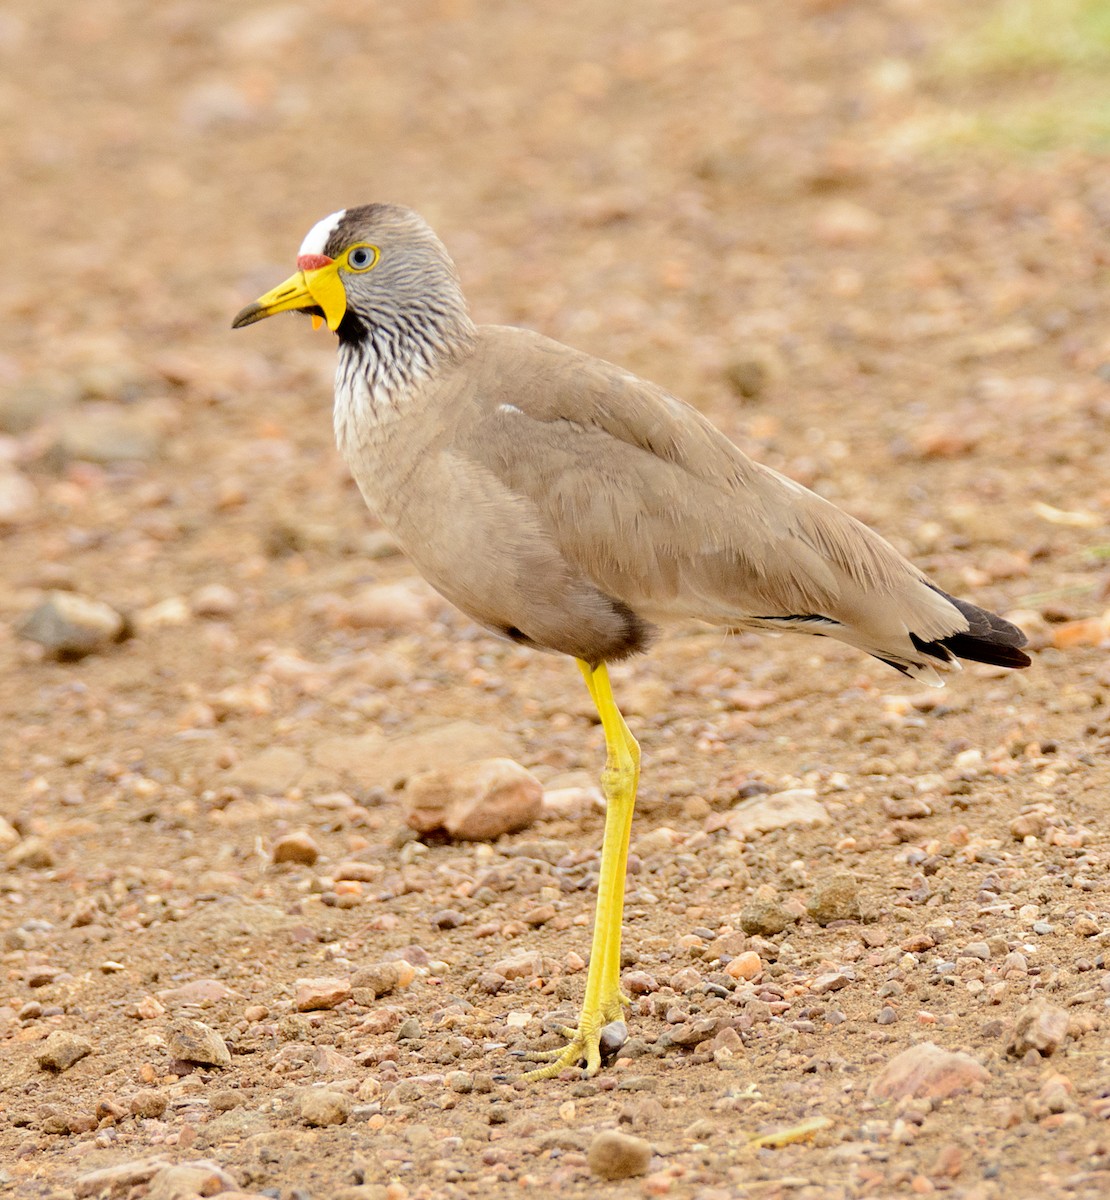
{"type": "Point", "coordinates": [660, 510]}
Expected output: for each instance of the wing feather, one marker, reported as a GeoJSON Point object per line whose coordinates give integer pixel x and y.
{"type": "Point", "coordinates": [662, 511]}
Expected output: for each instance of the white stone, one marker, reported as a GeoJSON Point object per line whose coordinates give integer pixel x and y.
{"type": "Point", "coordinates": [761, 814]}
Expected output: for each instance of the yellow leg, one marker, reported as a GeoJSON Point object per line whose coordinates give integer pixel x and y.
{"type": "Point", "coordinates": [604, 1001]}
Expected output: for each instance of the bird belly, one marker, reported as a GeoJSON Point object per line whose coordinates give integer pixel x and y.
{"type": "Point", "coordinates": [482, 548]}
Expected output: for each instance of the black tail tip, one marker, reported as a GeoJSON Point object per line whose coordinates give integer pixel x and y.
{"type": "Point", "coordinates": [989, 638]}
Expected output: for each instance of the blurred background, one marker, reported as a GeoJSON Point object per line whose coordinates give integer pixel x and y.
{"type": "Point", "coordinates": [858, 235]}
{"type": "Point", "coordinates": [703, 179]}
{"type": "Point", "coordinates": [868, 239]}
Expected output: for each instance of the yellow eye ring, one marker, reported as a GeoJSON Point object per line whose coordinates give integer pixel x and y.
{"type": "Point", "coordinates": [362, 257]}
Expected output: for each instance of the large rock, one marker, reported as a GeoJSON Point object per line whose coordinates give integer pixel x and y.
{"type": "Point", "coordinates": [117, 1180]}
{"type": "Point", "coordinates": [370, 759]}
{"type": "Point", "coordinates": [272, 771]}
{"type": "Point", "coordinates": [184, 1181]}
{"type": "Point", "coordinates": [61, 1050]}
{"type": "Point", "coordinates": [106, 433]}
{"type": "Point", "coordinates": [928, 1071]}
{"type": "Point", "coordinates": [1039, 1026]}
{"type": "Point", "coordinates": [761, 814]}
{"type": "Point", "coordinates": [474, 803]}
{"type": "Point", "coordinates": [193, 1041]}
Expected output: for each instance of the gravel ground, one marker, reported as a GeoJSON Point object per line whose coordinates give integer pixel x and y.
{"type": "Point", "coordinates": [229, 962]}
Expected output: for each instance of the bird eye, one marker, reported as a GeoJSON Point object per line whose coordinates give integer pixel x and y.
{"type": "Point", "coordinates": [362, 258]}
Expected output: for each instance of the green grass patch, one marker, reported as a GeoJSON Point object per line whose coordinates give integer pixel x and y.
{"type": "Point", "coordinates": [1023, 37]}
{"type": "Point", "coordinates": [1028, 75]}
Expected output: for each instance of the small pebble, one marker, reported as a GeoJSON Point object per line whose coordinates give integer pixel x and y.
{"type": "Point", "coordinates": [197, 993]}
{"type": "Point", "coordinates": [409, 1030]}
{"type": "Point", "coordinates": [109, 1112]}
{"type": "Point", "coordinates": [762, 814]}
{"type": "Point", "coordinates": [612, 1038]}
{"type": "Point", "coordinates": [18, 497]}
{"type": "Point", "coordinates": [728, 1039]}
{"type": "Point", "coordinates": [834, 898]}
{"type": "Point", "coordinates": [119, 1178]}
{"type": "Point", "coordinates": [846, 223]}
{"type": "Point", "coordinates": [214, 600]}
{"type": "Point", "coordinates": [528, 965]}
{"type": "Point", "coordinates": [193, 1041]}
{"type": "Point", "coordinates": [295, 848]}
{"type": "Point", "coordinates": [745, 966]}
{"type": "Point", "coordinates": [35, 853]}
{"type": "Point", "coordinates": [746, 378]}
{"type": "Point", "coordinates": [382, 978]}
{"type": "Point", "coordinates": [107, 433]}
{"type": "Point", "coordinates": [393, 606]}
{"type": "Point", "coordinates": [639, 983]}
{"type": "Point", "coordinates": [614, 1155]}
{"type": "Point", "coordinates": [8, 835]}
{"type": "Point", "coordinates": [832, 981]}
{"type": "Point", "coordinates": [198, 1178]}
{"type": "Point", "coordinates": [1040, 1027]}
{"type": "Point", "coordinates": [949, 1161]}
{"type": "Point", "coordinates": [693, 1033]}
{"type": "Point", "coordinates": [320, 1106]}
{"type": "Point", "coordinates": [978, 950]}
{"type": "Point", "coordinates": [765, 917]}
{"type": "Point", "coordinates": [1030, 824]}
{"type": "Point", "coordinates": [69, 626]}
{"type": "Point", "coordinates": [149, 1102]}
{"type": "Point", "coordinates": [911, 808]}
{"type": "Point", "coordinates": [312, 995]}
{"type": "Point", "coordinates": [686, 980]}
{"type": "Point", "coordinates": [61, 1050]}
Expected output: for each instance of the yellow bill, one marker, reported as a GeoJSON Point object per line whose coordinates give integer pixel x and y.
{"type": "Point", "coordinates": [320, 288]}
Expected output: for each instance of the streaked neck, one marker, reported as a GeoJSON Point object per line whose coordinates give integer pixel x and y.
{"type": "Point", "coordinates": [382, 362]}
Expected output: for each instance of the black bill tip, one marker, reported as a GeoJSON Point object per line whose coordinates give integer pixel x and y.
{"type": "Point", "coordinates": [248, 316]}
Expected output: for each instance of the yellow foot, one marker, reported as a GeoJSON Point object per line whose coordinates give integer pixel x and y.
{"type": "Point", "coordinates": [584, 1049]}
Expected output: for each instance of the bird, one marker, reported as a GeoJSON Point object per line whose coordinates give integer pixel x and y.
{"type": "Point", "coordinates": [565, 504]}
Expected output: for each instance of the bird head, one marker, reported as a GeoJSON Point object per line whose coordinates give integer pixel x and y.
{"type": "Point", "coordinates": [378, 265]}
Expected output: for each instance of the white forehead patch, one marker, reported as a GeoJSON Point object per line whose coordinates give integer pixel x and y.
{"type": "Point", "coordinates": [317, 237]}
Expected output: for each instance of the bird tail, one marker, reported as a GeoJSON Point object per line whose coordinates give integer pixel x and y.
{"type": "Point", "coordinates": [989, 638]}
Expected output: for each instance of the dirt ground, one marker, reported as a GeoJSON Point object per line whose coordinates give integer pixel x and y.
{"type": "Point", "coordinates": [748, 203]}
